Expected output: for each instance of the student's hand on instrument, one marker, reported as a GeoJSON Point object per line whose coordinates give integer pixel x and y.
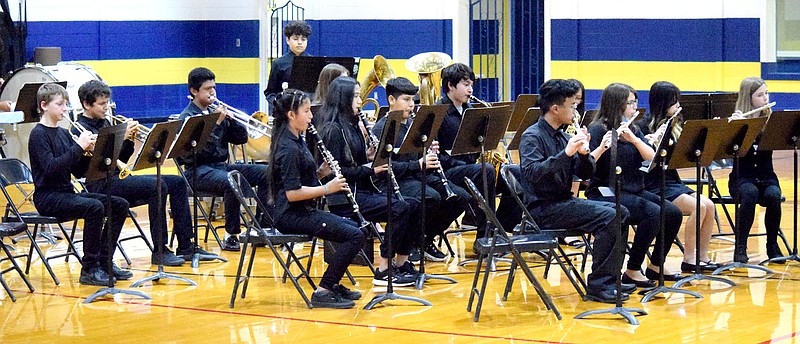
{"type": "Point", "coordinates": [324, 170]}
{"type": "Point", "coordinates": [132, 129]}
{"type": "Point", "coordinates": [337, 184]}
{"type": "Point", "coordinates": [6, 106]}
{"type": "Point", "coordinates": [606, 140]}
{"type": "Point", "coordinates": [736, 115]}
{"type": "Point", "coordinates": [87, 140]}
{"type": "Point", "coordinates": [371, 153]}
{"type": "Point", "coordinates": [626, 133]}
{"type": "Point", "coordinates": [380, 169]}
{"type": "Point", "coordinates": [576, 143]}
{"type": "Point", "coordinates": [431, 161]}
{"type": "Point", "coordinates": [223, 112]}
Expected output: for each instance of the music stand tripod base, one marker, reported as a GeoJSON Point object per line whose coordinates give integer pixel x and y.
{"type": "Point", "coordinates": [162, 275]}
{"type": "Point", "coordinates": [781, 260]}
{"type": "Point", "coordinates": [197, 258]}
{"type": "Point", "coordinates": [622, 311]}
{"type": "Point", "coordinates": [736, 265]}
{"type": "Point", "coordinates": [114, 291]}
{"type": "Point", "coordinates": [664, 289]}
{"type": "Point", "coordinates": [393, 296]}
{"type": "Point", "coordinates": [423, 277]}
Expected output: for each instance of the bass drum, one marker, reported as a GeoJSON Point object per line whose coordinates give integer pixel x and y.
{"type": "Point", "coordinates": [75, 74]}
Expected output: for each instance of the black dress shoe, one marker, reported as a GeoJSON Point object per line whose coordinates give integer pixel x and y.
{"type": "Point", "coordinates": [628, 288]}
{"type": "Point", "coordinates": [708, 266]}
{"type": "Point", "coordinates": [605, 296]}
{"type": "Point", "coordinates": [773, 251]}
{"type": "Point", "coordinates": [653, 275]}
{"type": "Point", "coordinates": [641, 284]}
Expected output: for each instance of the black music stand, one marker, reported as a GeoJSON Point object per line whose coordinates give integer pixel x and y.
{"type": "Point", "coordinates": [384, 153]}
{"type": "Point", "coordinates": [781, 133]}
{"type": "Point", "coordinates": [306, 70]}
{"type": "Point", "coordinates": [192, 138]}
{"type": "Point", "coordinates": [618, 309]}
{"type": "Point", "coordinates": [735, 141]}
{"type": "Point", "coordinates": [531, 116]}
{"type": "Point", "coordinates": [101, 166]}
{"type": "Point", "coordinates": [520, 111]}
{"type": "Point", "coordinates": [417, 141]}
{"type": "Point", "coordinates": [659, 162]}
{"type": "Point", "coordinates": [152, 154]}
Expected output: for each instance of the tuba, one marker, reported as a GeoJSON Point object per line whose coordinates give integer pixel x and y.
{"type": "Point", "coordinates": [381, 73]}
{"type": "Point", "coordinates": [429, 67]}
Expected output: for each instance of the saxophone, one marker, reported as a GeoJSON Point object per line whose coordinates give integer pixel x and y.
{"type": "Point", "coordinates": [334, 165]}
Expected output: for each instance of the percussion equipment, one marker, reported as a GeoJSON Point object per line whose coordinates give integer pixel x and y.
{"type": "Point", "coordinates": [75, 74]}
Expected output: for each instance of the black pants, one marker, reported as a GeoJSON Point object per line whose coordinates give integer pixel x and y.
{"type": "Point", "coordinates": [214, 178]}
{"type": "Point", "coordinates": [67, 206]}
{"type": "Point", "coordinates": [139, 190]}
{"type": "Point", "coordinates": [456, 175]}
{"type": "Point", "coordinates": [593, 217]}
{"type": "Point", "coordinates": [375, 207]}
{"type": "Point", "coordinates": [644, 210]}
{"type": "Point", "coordinates": [766, 195]}
{"type": "Point", "coordinates": [330, 227]}
{"type": "Point", "coordinates": [448, 210]}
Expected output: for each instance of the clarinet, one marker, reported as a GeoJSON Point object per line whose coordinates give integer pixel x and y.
{"type": "Point", "coordinates": [334, 165]}
{"type": "Point", "coordinates": [443, 179]}
{"type": "Point", "coordinates": [373, 142]}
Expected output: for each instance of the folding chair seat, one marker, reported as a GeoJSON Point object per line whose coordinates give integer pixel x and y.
{"type": "Point", "coordinates": [9, 230]}
{"type": "Point", "coordinates": [500, 242]}
{"type": "Point", "coordinates": [205, 213]}
{"type": "Point", "coordinates": [269, 237]}
{"type": "Point", "coordinates": [15, 172]}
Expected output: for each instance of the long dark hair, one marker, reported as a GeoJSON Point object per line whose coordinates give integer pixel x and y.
{"type": "Point", "coordinates": [663, 95]}
{"type": "Point", "coordinates": [582, 104]}
{"type": "Point", "coordinates": [338, 106]}
{"type": "Point", "coordinates": [288, 100]}
{"type": "Point", "coordinates": [612, 105]}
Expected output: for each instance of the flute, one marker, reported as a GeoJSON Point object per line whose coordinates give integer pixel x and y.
{"type": "Point", "coordinates": [633, 118]}
{"type": "Point", "coordinates": [753, 111]}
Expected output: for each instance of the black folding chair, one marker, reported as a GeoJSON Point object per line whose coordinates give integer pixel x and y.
{"type": "Point", "coordinates": [9, 229]}
{"type": "Point", "coordinates": [509, 174]}
{"type": "Point", "coordinates": [205, 213]}
{"type": "Point", "coordinates": [499, 242]}
{"type": "Point", "coordinates": [269, 237]}
{"type": "Point", "coordinates": [15, 172]}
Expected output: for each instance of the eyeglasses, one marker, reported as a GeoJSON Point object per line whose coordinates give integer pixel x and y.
{"type": "Point", "coordinates": [633, 103]}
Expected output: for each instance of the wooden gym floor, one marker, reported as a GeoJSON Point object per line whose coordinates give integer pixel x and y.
{"type": "Point", "coordinates": [761, 309]}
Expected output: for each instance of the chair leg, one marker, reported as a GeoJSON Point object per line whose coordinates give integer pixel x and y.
{"type": "Point", "coordinates": [303, 271]}
{"type": "Point", "coordinates": [482, 292]}
{"type": "Point", "coordinates": [239, 274]}
{"type": "Point", "coordinates": [35, 247]}
{"type": "Point", "coordinates": [569, 271]}
{"type": "Point", "coordinates": [291, 277]}
{"type": "Point", "coordinates": [7, 288]}
{"type": "Point", "coordinates": [15, 266]}
{"type": "Point", "coordinates": [124, 254]}
{"type": "Point", "coordinates": [249, 270]}
{"type": "Point", "coordinates": [511, 277]}
{"type": "Point", "coordinates": [539, 289]}
{"type": "Point", "coordinates": [472, 289]}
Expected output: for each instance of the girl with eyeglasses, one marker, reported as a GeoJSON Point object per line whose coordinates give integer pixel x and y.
{"type": "Point", "coordinates": [617, 107]}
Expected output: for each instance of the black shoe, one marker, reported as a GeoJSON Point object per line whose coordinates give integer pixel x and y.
{"type": "Point", "coordinates": [167, 258]}
{"type": "Point", "coordinates": [414, 256]}
{"type": "Point", "coordinates": [641, 284]}
{"type": "Point", "coordinates": [653, 275]}
{"type": "Point", "coordinates": [204, 255]}
{"type": "Point", "coordinates": [707, 266]}
{"type": "Point", "coordinates": [740, 254]}
{"type": "Point", "coordinates": [330, 299]}
{"type": "Point", "coordinates": [398, 280]}
{"type": "Point", "coordinates": [346, 293]}
{"type": "Point", "coordinates": [408, 268]}
{"type": "Point", "coordinates": [121, 275]}
{"type": "Point", "coordinates": [433, 254]}
{"type": "Point", "coordinates": [773, 251]}
{"type": "Point", "coordinates": [94, 276]}
{"type": "Point", "coordinates": [605, 296]}
{"type": "Point", "coordinates": [231, 243]}
{"type": "Point", "coordinates": [628, 288]}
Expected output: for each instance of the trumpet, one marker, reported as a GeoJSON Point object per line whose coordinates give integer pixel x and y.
{"type": "Point", "coordinates": [633, 118]}
{"type": "Point", "coordinates": [255, 128]}
{"type": "Point", "coordinates": [124, 171]}
{"type": "Point", "coordinates": [141, 131]}
{"type": "Point", "coordinates": [334, 165]}
{"type": "Point", "coordinates": [476, 99]}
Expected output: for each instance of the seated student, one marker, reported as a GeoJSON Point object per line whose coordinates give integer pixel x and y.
{"type": "Point", "coordinates": [292, 176]}
{"type": "Point", "coordinates": [94, 96]}
{"type": "Point", "coordinates": [55, 154]}
{"type": "Point", "coordinates": [440, 211]}
{"type": "Point", "coordinates": [212, 162]}
{"type": "Point", "coordinates": [617, 106]}
{"type": "Point", "coordinates": [330, 72]}
{"type": "Point", "coordinates": [457, 81]}
{"type": "Point", "coordinates": [757, 182]}
{"type": "Point", "coordinates": [549, 160]}
{"type": "Point", "coordinates": [664, 103]}
{"type": "Point", "coordinates": [347, 144]}
{"type": "Point", "coordinates": [297, 33]}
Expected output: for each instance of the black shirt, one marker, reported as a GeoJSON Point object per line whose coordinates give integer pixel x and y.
{"type": "Point", "coordinates": [54, 155]}
{"type": "Point", "coordinates": [279, 73]}
{"type": "Point", "coordinates": [447, 135]}
{"type": "Point", "coordinates": [347, 145]}
{"type": "Point", "coordinates": [628, 158]}
{"type": "Point", "coordinates": [756, 167]}
{"type": "Point", "coordinates": [406, 165]}
{"type": "Point", "coordinates": [295, 167]}
{"type": "Point", "coordinates": [546, 168]}
{"type": "Point", "coordinates": [216, 149]}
